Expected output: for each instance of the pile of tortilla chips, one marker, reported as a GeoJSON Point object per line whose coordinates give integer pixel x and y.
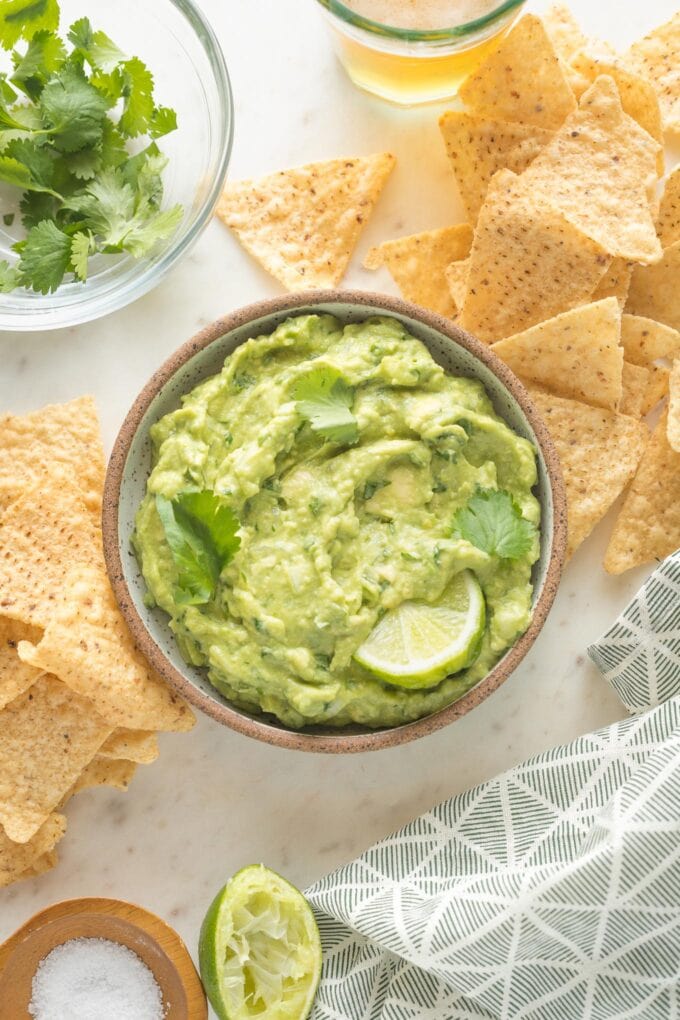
{"type": "Point", "coordinates": [569, 264]}
{"type": "Point", "coordinates": [79, 706]}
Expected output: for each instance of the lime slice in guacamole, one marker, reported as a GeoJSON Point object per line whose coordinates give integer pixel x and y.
{"type": "Point", "coordinates": [259, 949]}
{"type": "Point", "coordinates": [419, 643]}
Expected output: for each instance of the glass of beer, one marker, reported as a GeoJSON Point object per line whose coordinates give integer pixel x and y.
{"type": "Point", "coordinates": [415, 51]}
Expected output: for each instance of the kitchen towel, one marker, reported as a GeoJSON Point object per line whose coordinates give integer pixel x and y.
{"type": "Point", "coordinates": [549, 893]}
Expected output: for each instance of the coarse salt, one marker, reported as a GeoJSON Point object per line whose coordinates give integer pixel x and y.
{"type": "Point", "coordinates": [94, 979]}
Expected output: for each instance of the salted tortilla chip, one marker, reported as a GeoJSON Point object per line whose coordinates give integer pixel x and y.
{"type": "Point", "coordinates": [456, 280]}
{"type": "Point", "coordinates": [18, 860]}
{"type": "Point", "coordinates": [645, 340]}
{"type": "Point", "coordinates": [654, 290]}
{"type": "Point", "coordinates": [668, 220]}
{"type": "Point", "coordinates": [615, 282]}
{"type": "Point", "coordinates": [598, 171]}
{"type": "Point", "coordinates": [302, 224]}
{"type": "Point", "coordinates": [15, 676]}
{"type": "Point", "coordinates": [657, 388]}
{"type": "Point", "coordinates": [673, 428]}
{"type": "Point", "coordinates": [657, 58]}
{"type": "Point", "coordinates": [599, 452]}
{"type": "Point", "coordinates": [635, 387]}
{"type": "Point", "coordinates": [418, 263]}
{"type": "Point", "coordinates": [40, 866]}
{"type": "Point", "coordinates": [527, 263]}
{"type": "Point", "coordinates": [564, 31]}
{"type": "Point", "coordinates": [638, 98]}
{"type": "Point", "coordinates": [522, 80]}
{"type": "Point", "coordinates": [133, 745]}
{"type": "Point", "coordinates": [47, 737]}
{"type": "Point", "coordinates": [117, 773]}
{"type": "Point", "coordinates": [477, 147]}
{"type": "Point", "coordinates": [576, 354]}
{"type": "Point", "coordinates": [59, 434]}
{"type": "Point", "coordinates": [648, 526]}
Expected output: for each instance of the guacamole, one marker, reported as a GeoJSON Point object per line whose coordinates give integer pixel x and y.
{"type": "Point", "coordinates": [341, 517]}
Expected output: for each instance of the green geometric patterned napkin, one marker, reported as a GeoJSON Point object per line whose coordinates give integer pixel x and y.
{"type": "Point", "coordinates": [551, 892]}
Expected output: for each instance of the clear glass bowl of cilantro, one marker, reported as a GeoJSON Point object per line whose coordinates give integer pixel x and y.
{"type": "Point", "coordinates": [116, 124]}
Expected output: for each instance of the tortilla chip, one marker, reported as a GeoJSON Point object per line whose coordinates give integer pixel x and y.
{"type": "Point", "coordinates": [17, 860]}
{"type": "Point", "coordinates": [668, 221]}
{"type": "Point", "coordinates": [654, 290]}
{"type": "Point", "coordinates": [40, 866]}
{"type": "Point", "coordinates": [657, 58]}
{"type": "Point", "coordinates": [15, 676]}
{"type": "Point", "coordinates": [117, 773]}
{"type": "Point", "coordinates": [673, 429]}
{"type": "Point", "coordinates": [66, 434]}
{"type": "Point", "coordinates": [522, 80]}
{"type": "Point", "coordinates": [527, 263]}
{"type": "Point", "coordinates": [638, 98]}
{"type": "Point", "coordinates": [635, 388]}
{"type": "Point", "coordinates": [657, 388]}
{"type": "Point", "coordinates": [576, 354]}
{"type": "Point", "coordinates": [133, 745]}
{"type": "Point", "coordinates": [302, 224]}
{"type": "Point", "coordinates": [564, 31]}
{"type": "Point", "coordinates": [477, 147]}
{"type": "Point", "coordinates": [648, 526]}
{"type": "Point", "coordinates": [418, 263]}
{"type": "Point", "coordinates": [645, 340]}
{"type": "Point", "coordinates": [456, 281]}
{"type": "Point", "coordinates": [598, 171]}
{"type": "Point", "coordinates": [599, 452]}
{"type": "Point", "coordinates": [615, 282]}
{"type": "Point", "coordinates": [47, 737]}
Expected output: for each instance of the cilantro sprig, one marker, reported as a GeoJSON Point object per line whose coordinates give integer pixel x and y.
{"type": "Point", "coordinates": [493, 522]}
{"type": "Point", "coordinates": [69, 109]}
{"type": "Point", "coordinates": [325, 400]}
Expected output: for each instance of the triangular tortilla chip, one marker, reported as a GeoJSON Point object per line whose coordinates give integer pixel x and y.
{"type": "Point", "coordinates": [638, 98]}
{"type": "Point", "coordinates": [15, 676]}
{"type": "Point", "coordinates": [456, 279]}
{"type": "Point", "coordinates": [418, 263]}
{"type": "Point", "coordinates": [527, 263]}
{"type": "Point", "coordinates": [18, 859]}
{"type": "Point", "coordinates": [477, 147]}
{"type": "Point", "coordinates": [522, 80]}
{"type": "Point", "coordinates": [133, 745]}
{"type": "Point", "coordinates": [657, 58]}
{"type": "Point", "coordinates": [576, 354]}
{"type": "Point", "coordinates": [635, 387]}
{"type": "Point", "coordinates": [564, 31]}
{"type": "Point", "coordinates": [645, 340]}
{"type": "Point", "coordinates": [654, 290]}
{"type": "Point", "coordinates": [615, 282]}
{"type": "Point", "coordinates": [674, 407]}
{"type": "Point", "coordinates": [599, 452]}
{"type": "Point", "coordinates": [104, 772]}
{"type": "Point", "coordinates": [40, 866]}
{"type": "Point", "coordinates": [66, 434]}
{"type": "Point", "coordinates": [47, 737]}
{"type": "Point", "coordinates": [648, 526]}
{"type": "Point", "coordinates": [599, 171]}
{"type": "Point", "coordinates": [302, 224]}
{"type": "Point", "coordinates": [668, 220]}
{"type": "Point", "coordinates": [657, 387]}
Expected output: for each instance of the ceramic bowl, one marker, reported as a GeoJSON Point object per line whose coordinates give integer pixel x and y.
{"type": "Point", "coordinates": [203, 356]}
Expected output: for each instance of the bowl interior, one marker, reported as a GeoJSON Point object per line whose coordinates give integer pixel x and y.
{"type": "Point", "coordinates": [179, 48]}
{"type": "Point", "coordinates": [208, 361]}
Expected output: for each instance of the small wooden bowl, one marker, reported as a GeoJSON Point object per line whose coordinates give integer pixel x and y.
{"type": "Point", "coordinates": [154, 942]}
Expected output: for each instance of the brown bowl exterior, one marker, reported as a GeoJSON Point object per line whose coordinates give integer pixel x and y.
{"type": "Point", "coordinates": [342, 741]}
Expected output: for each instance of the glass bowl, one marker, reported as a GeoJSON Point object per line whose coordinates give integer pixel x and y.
{"type": "Point", "coordinates": [180, 48]}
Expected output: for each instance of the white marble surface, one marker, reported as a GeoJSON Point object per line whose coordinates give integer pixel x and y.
{"type": "Point", "coordinates": [215, 800]}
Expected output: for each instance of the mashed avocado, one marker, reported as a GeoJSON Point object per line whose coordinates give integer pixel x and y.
{"type": "Point", "coordinates": [334, 531]}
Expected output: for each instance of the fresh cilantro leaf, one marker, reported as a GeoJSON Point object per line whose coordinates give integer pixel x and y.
{"type": "Point", "coordinates": [7, 93]}
{"type": "Point", "coordinates": [14, 172]}
{"type": "Point", "coordinates": [21, 19]}
{"type": "Point", "coordinates": [163, 121]}
{"type": "Point", "coordinates": [80, 34]}
{"type": "Point", "coordinates": [36, 160]}
{"type": "Point", "coordinates": [201, 533]}
{"type": "Point", "coordinates": [325, 400]}
{"type": "Point", "coordinates": [146, 231]}
{"type": "Point", "coordinates": [493, 522]}
{"type": "Point", "coordinates": [138, 104]}
{"type": "Point", "coordinates": [83, 164]}
{"type": "Point", "coordinates": [112, 146]}
{"type": "Point", "coordinates": [37, 206]}
{"type": "Point", "coordinates": [73, 110]}
{"type": "Point", "coordinates": [82, 246]}
{"type": "Point", "coordinates": [107, 205]}
{"type": "Point", "coordinates": [9, 278]}
{"type": "Point", "coordinates": [45, 257]}
{"type": "Point", "coordinates": [99, 51]}
{"type": "Point", "coordinates": [44, 56]}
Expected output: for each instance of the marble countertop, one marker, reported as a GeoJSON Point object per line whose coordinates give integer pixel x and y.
{"type": "Point", "coordinates": [216, 800]}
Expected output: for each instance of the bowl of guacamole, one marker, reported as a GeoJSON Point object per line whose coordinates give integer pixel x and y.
{"type": "Point", "coordinates": [333, 521]}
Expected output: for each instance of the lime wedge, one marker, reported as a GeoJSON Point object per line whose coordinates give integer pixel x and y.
{"type": "Point", "coordinates": [419, 643]}
{"type": "Point", "coordinates": [259, 950]}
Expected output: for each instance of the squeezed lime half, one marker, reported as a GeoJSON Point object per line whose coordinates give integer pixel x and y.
{"type": "Point", "coordinates": [419, 643]}
{"type": "Point", "coordinates": [259, 949]}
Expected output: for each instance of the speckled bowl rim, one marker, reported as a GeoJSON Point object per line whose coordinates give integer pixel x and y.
{"type": "Point", "coordinates": [261, 729]}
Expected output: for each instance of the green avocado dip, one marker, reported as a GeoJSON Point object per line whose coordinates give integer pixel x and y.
{"type": "Point", "coordinates": [326, 476]}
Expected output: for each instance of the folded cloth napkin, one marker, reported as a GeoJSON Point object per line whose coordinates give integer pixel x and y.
{"type": "Point", "coordinates": [551, 892]}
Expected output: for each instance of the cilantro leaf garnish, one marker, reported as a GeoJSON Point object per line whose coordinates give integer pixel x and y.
{"type": "Point", "coordinates": [493, 522]}
{"type": "Point", "coordinates": [325, 400]}
{"type": "Point", "coordinates": [45, 257]}
{"type": "Point", "coordinates": [201, 533]}
{"type": "Point", "coordinates": [21, 19]}
{"type": "Point", "coordinates": [73, 110]}
{"type": "Point", "coordinates": [44, 56]}
{"type": "Point", "coordinates": [9, 278]}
